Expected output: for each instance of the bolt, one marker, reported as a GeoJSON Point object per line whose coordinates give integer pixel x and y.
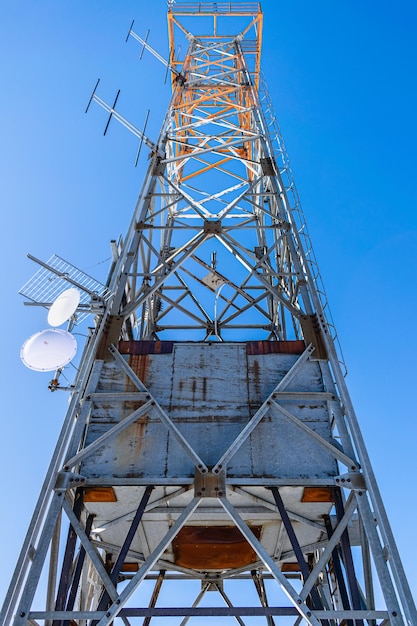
{"type": "Point", "coordinates": [360, 493]}
{"type": "Point", "coordinates": [203, 488]}
{"type": "Point", "coordinates": [394, 614]}
{"type": "Point", "coordinates": [108, 614]}
{"type": "Point", "coordinates": [199, 493]}
{"type": "Point", "coordinates": [22, 614]}
{"type": "Point", "coordinates": [220, 493]}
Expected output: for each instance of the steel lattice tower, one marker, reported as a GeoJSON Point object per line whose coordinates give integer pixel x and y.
{"type": "Point", "coordinates": [210, 448]}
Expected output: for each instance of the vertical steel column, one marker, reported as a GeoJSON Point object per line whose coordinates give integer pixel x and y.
{"type": "Point", "coordinates": [78, 571]}
{"type": "Point", "coordinates": [347, 558]}
{"type": "Point", "coordinates": [315, 597]}
{"type": "Point", "coordinates": [114, 574]}
{"type": "Point", "coordinates": [344, 597]}
{"type": "Point", "coordinates": [68, 562]}
{"type": "Point", "coordinates": [259, 583]}
{"type": "Point", "coordinates": [155, 594]}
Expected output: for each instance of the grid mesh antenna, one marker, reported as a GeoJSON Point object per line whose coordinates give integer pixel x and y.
{"type": "Point", "coordinates": [53, 278]}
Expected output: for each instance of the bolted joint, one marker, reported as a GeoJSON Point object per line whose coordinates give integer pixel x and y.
{"type": "Point", "coordinates": [158, 166]}
{"type": "Point", "coordinates": [212, 227]}
{"type": "Point", "coordinates": [210, 485]}
{"type": "Point", "coordinates": [352, 480]}
{"type": "Point", "coordinates": [68, 480]}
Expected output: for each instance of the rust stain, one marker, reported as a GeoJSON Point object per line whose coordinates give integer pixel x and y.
{"type": "Point", "coordinates": [256, 376]}
{"type": "Point", "coordinates": [146, 347]}
{"type": "Point", "coordinates": [140, 365]}
{"type": "Point", "coordinates": [129, 447]}
{"type": "Point", "coordinates": [317, 494]}
{"type": "Point", "coordinates": [213, 547]}
{"type": "Point", "coordinates": [275, 347]}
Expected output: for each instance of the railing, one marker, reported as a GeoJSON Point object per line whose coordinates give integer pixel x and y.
{"type": "Point", "coordinates": [283, 163]}
{"type": "Point", "coordinates": [217, 7]}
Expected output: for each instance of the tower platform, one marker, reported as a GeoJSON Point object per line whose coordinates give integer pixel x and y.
{"type": "Point", "coordinates": [213, 393]}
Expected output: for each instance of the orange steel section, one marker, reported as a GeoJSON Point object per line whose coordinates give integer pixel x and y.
{"type": "Point", "coordinates": [206, 169]}
{"type": "Point", "coordinates": [223, 10]}
{"type": "Point", "coordinates": [189, 99]}
{"type": "Point", "coordinates": [99, 494]}
{"type": "Point", "coordinates": [317, 494]}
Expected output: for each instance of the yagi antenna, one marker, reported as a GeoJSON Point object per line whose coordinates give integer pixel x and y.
{"type": "Point", "coordinates": [143, 47]}
{"type": "Point", "coordinates": [141, 140]}
{"type": "Point", "coordinates": [113, 113]}
{"type": "Point", "coordinates": [156, 54]}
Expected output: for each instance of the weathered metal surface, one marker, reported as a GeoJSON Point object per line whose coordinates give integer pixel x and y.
{"type": "Point", "coordinates": [255, 506]}
{"type": "Point", "coordinates": [210, 392]}
{"type": "Point", "coordinates": [179, 421]}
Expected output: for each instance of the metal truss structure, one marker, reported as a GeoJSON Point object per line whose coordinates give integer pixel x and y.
{"type": "Point", "coordinates": [210, 463]}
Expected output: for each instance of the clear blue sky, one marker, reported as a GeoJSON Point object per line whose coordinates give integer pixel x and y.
{"type": "Point", "coordinates": [343, 81]}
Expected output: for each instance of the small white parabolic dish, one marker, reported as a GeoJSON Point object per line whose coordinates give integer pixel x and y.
{"type": "Point", "coordinates": [63, 307]}
{"type": "Point", "coordinates": [48, 350]}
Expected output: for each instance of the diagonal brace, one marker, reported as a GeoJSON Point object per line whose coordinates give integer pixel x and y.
{"type": "Point", "coordinates": [91, 551]}
{"type": "Point", "coordinates": [201, 466]}
{"type": "Point", "coordinates": [350, 508]}
{"type": "Point", "coordinates": [335, 452]}
{"type": "Point", "coordinates": [269, 563]}
{"type": "Point", "coordinates": [119, 603]}
{"type": "Point", "coordinates": [110, 434]}
{"type": "Point", "coordinates": [261, 412]}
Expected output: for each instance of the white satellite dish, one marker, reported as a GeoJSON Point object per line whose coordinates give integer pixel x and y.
{"type": "Point", "coordinates": [48, 350]}
{"type": "Point", "coordinates": [63, 307]}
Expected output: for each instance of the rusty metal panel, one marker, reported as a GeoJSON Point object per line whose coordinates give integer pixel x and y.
{"type": "Point", "coordinates": [146, 347]}
{"type": "Point", "coordinates": [280, 449]}
{"type": "Point", "coordinates": [282, 347]}
{"type": "Point", "coordinates": [140, 449]}
{"type": "Point", "coordinates": [210, 392]}
{"type": "Point", "coordinates": [209, 398]}
{"type": "Point", "coordinates": [213, 547]}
